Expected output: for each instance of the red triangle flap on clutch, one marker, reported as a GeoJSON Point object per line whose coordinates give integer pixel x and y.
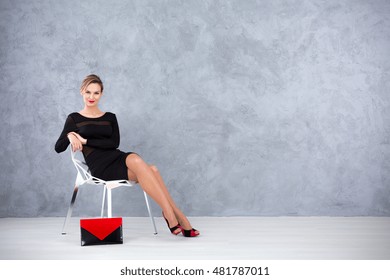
{"type": "Point", "coordinates": [101, 227]}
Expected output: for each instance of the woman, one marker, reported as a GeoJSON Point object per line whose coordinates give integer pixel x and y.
{"type": "Point", "coordinates": [96, 134]}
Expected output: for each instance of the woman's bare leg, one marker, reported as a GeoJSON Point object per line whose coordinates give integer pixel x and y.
{"type": "Point", "coordinates": [149, 183]}
{"type": "Point", "coordinates": [178, 213]}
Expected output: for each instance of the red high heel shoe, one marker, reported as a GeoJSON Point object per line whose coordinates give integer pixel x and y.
{"type": "Point", "coordinates": [189, 232]}
{"type": "Point", "coordinates": [172, 229]}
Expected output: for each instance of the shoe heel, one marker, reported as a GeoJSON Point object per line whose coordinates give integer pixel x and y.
{"type": "Point", "coordinates": [172, 229]}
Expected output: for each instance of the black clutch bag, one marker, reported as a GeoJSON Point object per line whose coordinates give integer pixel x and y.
{"type": "Point", "coordinates": [99, 231]}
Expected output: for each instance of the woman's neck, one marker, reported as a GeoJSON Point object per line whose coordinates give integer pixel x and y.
{"type": "Point", "coordinates": [93, 112]}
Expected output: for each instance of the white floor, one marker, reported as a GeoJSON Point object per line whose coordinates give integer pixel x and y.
{"type": "Point", "coordinates": [268, 238]}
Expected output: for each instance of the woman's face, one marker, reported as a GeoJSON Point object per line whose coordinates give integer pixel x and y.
{"type": "Point", "coordinates": [91, 95]}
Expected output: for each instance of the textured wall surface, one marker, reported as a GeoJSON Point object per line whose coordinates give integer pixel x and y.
{"type": "Point", "coordinates": [246, 107]}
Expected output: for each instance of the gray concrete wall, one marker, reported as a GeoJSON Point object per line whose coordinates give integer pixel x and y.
{"type": "Point", "coordinates": [246, 107]}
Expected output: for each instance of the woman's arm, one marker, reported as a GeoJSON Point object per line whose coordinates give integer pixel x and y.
{"type": "Point", "coordinates": [63, 141]}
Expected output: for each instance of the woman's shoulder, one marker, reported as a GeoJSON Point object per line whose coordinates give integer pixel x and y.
{"type": "Point", "coordinates": [110, 114]}
{"type": "Point", "coordinates": [73, 114]}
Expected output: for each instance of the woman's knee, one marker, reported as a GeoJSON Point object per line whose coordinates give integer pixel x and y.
{"type": "Point", "coordinates": [133, 161]}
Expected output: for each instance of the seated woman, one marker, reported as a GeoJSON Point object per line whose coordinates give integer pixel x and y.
{"type": "Point", "coordinates": [96, 134]}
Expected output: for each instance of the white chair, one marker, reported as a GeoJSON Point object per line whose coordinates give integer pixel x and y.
{"type": "Point", "coordinates": [84, 177]}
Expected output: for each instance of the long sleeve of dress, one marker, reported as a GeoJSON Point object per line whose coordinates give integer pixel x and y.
{"type": "Point", "coordinates": [63, 141]}
{"type": "Point", "coordinates": [107, 143]}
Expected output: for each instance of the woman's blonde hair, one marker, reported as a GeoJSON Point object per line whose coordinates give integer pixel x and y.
{"type": "Point", "coordinates": [91, 79]}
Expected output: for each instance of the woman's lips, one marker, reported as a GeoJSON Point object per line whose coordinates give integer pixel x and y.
{"type": "Point", "coordinates": [91, 101]}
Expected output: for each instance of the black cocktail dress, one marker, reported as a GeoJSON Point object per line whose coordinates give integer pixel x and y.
{"type": "Point", "coordinates": [101, 152]}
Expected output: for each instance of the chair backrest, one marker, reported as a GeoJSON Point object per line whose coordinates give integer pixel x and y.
{"type": "Point", "coordinates": [83, 174]}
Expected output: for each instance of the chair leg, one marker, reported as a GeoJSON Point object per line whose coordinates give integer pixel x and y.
{"type": "Point", "coordinates": [103, 202]}
{"type": "Point", "coordinates": [150, 213]}
{"type": "Point", "coordinates": [109, 205]}
{"type": "Point", "coordinates": [76, 188]}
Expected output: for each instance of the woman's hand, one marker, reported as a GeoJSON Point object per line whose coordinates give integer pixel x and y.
{"type": "Point", "coordinates": [81, 139]}
{"type": "Point", "coordinates": [75, 141]}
